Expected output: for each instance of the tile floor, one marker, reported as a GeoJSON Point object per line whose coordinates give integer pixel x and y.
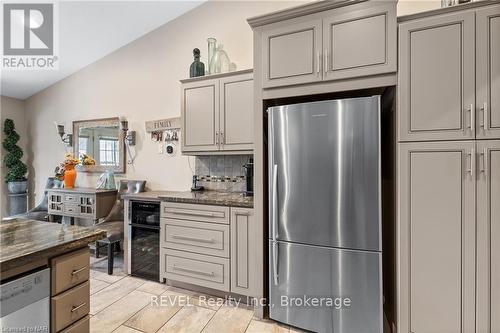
{"type": "Point", "coordinates": [124, 304]}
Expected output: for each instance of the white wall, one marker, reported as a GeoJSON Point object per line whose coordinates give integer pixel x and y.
{"type": "Point", "coordinates": [141, 82]}
{"type": "Point", "coordinates": [10, 108]}
{"type": "Point", "coordinates": [406, 7]}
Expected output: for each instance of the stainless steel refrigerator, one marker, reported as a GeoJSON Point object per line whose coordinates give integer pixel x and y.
{"type": "Point", "coordinates": [325, 215]}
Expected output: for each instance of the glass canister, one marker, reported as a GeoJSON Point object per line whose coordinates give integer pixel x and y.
{"type": "Point", "coordinates": [212, 42]}
{"type": "Point", "coordinates": [220, 62]}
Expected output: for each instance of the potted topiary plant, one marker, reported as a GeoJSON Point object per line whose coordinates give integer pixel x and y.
{"type": "Point", "coordinates": [16, 176]}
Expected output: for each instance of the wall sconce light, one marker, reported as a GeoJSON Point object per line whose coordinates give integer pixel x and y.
{"type": "Point", "coordinates": [129, 136]}
{"type": "Point", "coordinates": [66, 138]}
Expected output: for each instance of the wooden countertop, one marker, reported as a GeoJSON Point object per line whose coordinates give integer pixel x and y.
{"type": "Point", "coordinates": [217, 198]}
{"type": "Point", "coordinates": [24, 242]}
{"type": "Point", "coordinates": [82, 190]}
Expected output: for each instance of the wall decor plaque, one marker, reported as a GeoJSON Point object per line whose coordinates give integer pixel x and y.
{"type": "Point", "coordinates": [163, 124]}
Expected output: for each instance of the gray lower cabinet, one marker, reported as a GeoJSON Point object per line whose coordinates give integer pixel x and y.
{"type": "Point", "coordinates": [351, 41]}
{"type": "Point", "coordinates": [488, 237]}
{"type": "Point", "coordinates": [488, 72]}
{"type": "Point", "coordinates": [436, 78]}
{"type": "Point", "coordinates": [243, 245]}
{"type": "Point", "coordinates": [209, 246]}
{"type": "Point", "coordinates": [436, 237]}
{"type": "Point", "coordinates": [217, 113]}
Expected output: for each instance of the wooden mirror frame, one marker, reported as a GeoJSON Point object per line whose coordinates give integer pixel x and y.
{"type": "Point", "coordinates": [104, 122]}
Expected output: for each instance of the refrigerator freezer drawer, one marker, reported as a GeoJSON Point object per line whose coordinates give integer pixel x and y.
{"type": "Point", "coordinates": [325, 289]}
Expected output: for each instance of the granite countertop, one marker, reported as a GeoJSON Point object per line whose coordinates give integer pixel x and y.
{"type": "Point", "coordinates": [24, 241]}
{"type": "Point", "coordinates": [203, 197]}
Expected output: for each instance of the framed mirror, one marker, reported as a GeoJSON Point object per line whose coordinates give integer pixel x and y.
{"type": "Point", "coordinates": [102, 140]}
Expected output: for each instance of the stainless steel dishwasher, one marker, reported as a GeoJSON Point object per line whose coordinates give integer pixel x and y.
{"type": "Point", "coordinates": [25, 303]}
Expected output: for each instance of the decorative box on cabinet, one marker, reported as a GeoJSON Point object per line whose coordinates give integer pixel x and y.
{"type": "Point", "coordinates": [216, 113]}
{"type": "Point", "coordinates": [84, 203]}
{"type": "Point", "coordinates": [346, 42]}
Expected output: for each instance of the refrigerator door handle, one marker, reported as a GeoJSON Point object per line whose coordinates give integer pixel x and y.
{"type": "Point", "coordinates": [275, 263]}
{"type": "Point", "coordinates": [275, 201]}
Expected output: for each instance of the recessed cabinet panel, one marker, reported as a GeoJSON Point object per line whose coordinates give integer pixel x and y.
{"type": "Point", "coordinates": [488, 72]}
{"type": "Point", "coordinates": [437, 237]}
{"type": "Point", "coordinates": [237, 113]}
{"type": "Point", "coordinates": [437, 78]}
{"type": "Point", "coordinates": [292, 53]}
{"type": "Point", "coordinates": [201, 116]}
{"type": "Point", "coordinates": [243, 249]}
{"type": "Point", "coordinates": [360, 42]}
{"type": "Point", "coordinates": [488, 235]}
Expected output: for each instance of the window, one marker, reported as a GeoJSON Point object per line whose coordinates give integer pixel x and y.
{"type": "Point", "coordinates": [108, 151]}
{"type": "Point", "coordinates": [83, 142]}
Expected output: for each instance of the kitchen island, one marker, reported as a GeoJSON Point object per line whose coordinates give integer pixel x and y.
{"type": "Point", "coordinates": [45, 265]}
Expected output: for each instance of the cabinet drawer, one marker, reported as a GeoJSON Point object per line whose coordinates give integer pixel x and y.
{"type": "Point", "coordinates": [81, 326]}
{"type": "Point", "coordinates": [69, 270]}
{"type": "Point", "coordinates": [70, 199]}
{"type": "Point", "coordinates": [193, 212]}
{"type": "Point", "coordinates": [202, 270]}
{"type": "Point", "coordinates": [70, 306]}
{"type": "Point", "coordinates": [199, 237]}
{"type": "Point", "coordinates": [71, 209]}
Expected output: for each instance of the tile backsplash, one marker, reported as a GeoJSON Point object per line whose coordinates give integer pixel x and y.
{"type": "Point", "coordinates": [222, 173]}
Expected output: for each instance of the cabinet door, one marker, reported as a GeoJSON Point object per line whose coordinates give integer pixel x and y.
{"type": "Point", "coordinates": [488, 236]}
{"type": "Point", "coordinates": [236, 117]}
{"type": "Point", "coordinates": [200, 116]}
{"type": "Point", "coordinates": [291, 52]}
{"type": "Point", "coordinates": [436, 237]}
{"type": "Point", "coordinates": [436, 78]}
{"type": "Point", "coordinates": [55, 203]}
{"type": "Point", "coordinates": [488, 72]}
{"type": "Point", "coordinates": [360, 41]}
{"type": "Point", "coordinates": [243, 252]}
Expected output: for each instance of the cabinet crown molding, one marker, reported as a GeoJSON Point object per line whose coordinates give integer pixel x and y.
{"type": "Point", "coordinates": [298, 11]}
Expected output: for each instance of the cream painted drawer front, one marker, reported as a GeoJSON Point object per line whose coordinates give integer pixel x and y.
{"type": "Point", "coordinates": [70, 306]}
{"type": "Point", "coordinates": [199, 237]}
{"type": "Point", "coordinates": [193, 212]}
{"type": "Point", "coordinates": [202, 270]}
{"type": "Point", "coordinates": [69, 270]}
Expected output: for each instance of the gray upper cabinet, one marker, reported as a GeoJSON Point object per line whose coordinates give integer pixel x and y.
{"type": "Point", "coordinates": [292, 51]}
{"type": "Point", "coordinates": [200, 116]}
{"type": "Point", "coordinates": [351, 41]}
{"type": "Point", "coordinates": [488, 72]}
{"type": "Point", "coordinates": [488, 237]}
{"type": "Point", "coordinates": [436, 78]}
{"type": "Point", "coordinates": [360, 42]}
{"type": "Point", "coordinates": [436, 239]}
{"type": "Point", "coordinates": [217, 113]}
{"type": "Point", "coordinates": [236, 112]}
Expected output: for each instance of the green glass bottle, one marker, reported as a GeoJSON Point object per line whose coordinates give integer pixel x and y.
{"type": "Point", "coordinates": [197, 67]}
